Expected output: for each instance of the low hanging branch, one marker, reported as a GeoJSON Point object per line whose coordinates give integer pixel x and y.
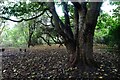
{"type": "Point", "coordinates": [42, 23]}
{"type": "Point", "coordinates": [45, 40]}
{"type": "Point", "coordinates": [48, 14]}
{"type": "Point", "coordinates": [58, 42]}
{"type": "Point", "coordinates": [2, 29]}
{"type": "Point", "coordinates": [23, 18]}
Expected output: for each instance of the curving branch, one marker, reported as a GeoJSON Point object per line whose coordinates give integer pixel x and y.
{"type": "Point", "coordinates": [58, 24]}
{"type": "Point", "coordinates": [42, 23]}
{"type": "Point", "coordinates": [57, 42]}
{"type": "Point", "coordinates": [51, 20]}
{"type": "Point", "coordinates": [48, 14]}
{"type": "Point", "coordinates": [1, 29]}
{"type": "Point", "coordinates": [67, 21]}
{"type": "Point", "coordinates": [45, 40]}
{"type": "Point", "coordinates": [25, 19]}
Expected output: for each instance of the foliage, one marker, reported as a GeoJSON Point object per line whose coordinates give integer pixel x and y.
{"type": "Point", "coordinates": [114, 33]}
{"type": "Point", "coordinates": [104, 24]}
{"type": "Point", "coordinates": [13, 37]}
{"type": "Point", "coordinates": [108, 28]}
{"type": "Point", "coordinates": [114, 36]}
{"type": "Point", "coordinates": [22, 8]}
{"type": "Point", "coordinates": [42, 28]}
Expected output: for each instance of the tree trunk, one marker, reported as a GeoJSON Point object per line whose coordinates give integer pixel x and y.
{"type": "Point", "coordinates": [80, 45]}
{"type": "Point", "coordinates": [86, 48]}
{"type": "Point", "coordinates": [82, 54]}
{"type": "Point", "coordinates": [29, 40]}
{"type": "Point", "coordinates": [71, 49]}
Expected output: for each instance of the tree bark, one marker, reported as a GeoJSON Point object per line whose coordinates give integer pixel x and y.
{"type": "Point", "coordinates": [80, 45]}
{"type": "Point", "coordinates": [82, 54]}
{"type": "Point", "coordinates": [29, 40]}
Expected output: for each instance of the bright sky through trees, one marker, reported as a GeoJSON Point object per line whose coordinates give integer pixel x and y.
{"type": "Point", "coordinates": [106, 7]}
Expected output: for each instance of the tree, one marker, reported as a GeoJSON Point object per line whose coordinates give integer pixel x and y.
{"type": "Point", "coordinates": [31, 31]}
{"type": "Point", "coordinates": [114, 32]}
{"type": "Point", "coordinates": [78, 42]}
{"type": "Point", "coordinates": [104, 24]}
{"type": "Point", "coordinates": [107, 28]}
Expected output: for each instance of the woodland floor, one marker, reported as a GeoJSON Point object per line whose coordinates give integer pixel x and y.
{"type": "Point", "coordinates": [51, 62]}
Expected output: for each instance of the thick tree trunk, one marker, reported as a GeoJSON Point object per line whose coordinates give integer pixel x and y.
{"type": "Point", "coordinates": [80, 45]}
{"type": "Point", "coordinates": [71, 49]}
{"type": "Point", "coordinates": [82, 54]}
{"type": "Point", "coordinates": [86, 49]}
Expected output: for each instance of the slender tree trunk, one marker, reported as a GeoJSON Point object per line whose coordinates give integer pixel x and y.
{"type": "Point", "coordinates": [29, 40]}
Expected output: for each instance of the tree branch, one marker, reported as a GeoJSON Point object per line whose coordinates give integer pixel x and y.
{"type": "Point", "coordinates": [51, 20]}
{"type": "Point", "coordinates": [60, 27]}
{"type": "Point", "coordinates": [23, 18]}
{"type": "Point", "coordinates": [67, 21]}
{"type": "Point", "coordinates": [91, 17]}
{"type": "Point", "coordinates": [94, 10]}
{"type": "Point", "coordinates": [57, 42]}
{"type": "Point", "coordinates": [2, 29]}
{"type": "Point", "coordinates": [77, 5]}
{"type": "Point", "coordinates": [76, 24]}
{"type": "Point", "coordinates": [50, 36]}
{"type": "Point", "coordinates": [42, 23]}
{"type": "Point", "coordinates": [48, 14]}
{"type": "Point", "coordinates": [45, 40]}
